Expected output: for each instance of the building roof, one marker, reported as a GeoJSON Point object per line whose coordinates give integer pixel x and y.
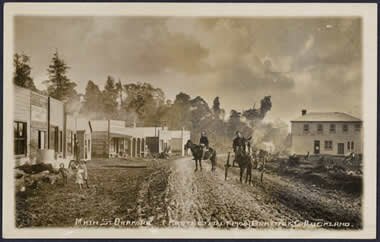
{"type": "Point", "coordinates": [326, 117]}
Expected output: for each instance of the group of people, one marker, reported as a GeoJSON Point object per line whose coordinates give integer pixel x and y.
{"type": "Point", "coordinates": [238, 142]}
{"type": "Point", "coordinates": [80, 168]}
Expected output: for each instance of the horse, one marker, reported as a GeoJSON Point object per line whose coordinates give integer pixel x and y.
{"type": "Point", "coordinates": [196, 150]}
{"type": "Point", "coordinates": [244, 160]}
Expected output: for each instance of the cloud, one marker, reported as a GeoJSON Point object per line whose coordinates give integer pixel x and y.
{"type": "Point", "coordinates": [301, 62]}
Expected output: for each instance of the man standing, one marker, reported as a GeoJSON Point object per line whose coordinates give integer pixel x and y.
{"type": "Point", "coordinates": [76, 150]}
{"type": "Point", "coordinates": [203, 141]}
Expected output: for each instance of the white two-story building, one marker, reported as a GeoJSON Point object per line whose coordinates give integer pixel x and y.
{"type": "Point", "coordinates": [332, 133]}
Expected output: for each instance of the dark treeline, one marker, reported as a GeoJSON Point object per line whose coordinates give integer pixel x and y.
{"type": "Point", "coordinates": [142, 104]}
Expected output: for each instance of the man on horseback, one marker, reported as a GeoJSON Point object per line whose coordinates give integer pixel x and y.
{"type": "Point", "coordinates": [199, 152]}
{"type": "Point", "coordinates": [237, 145]}
{"type": "Point", "coordinates": [241, 147]}
{"type": "Point", "coordinates": [203, 141]}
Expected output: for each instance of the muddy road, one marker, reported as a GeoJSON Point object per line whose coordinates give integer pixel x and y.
{"type": "Point", "coordinates": [169, 193]}
{"type": "Point", "coordinates": [177, 196]}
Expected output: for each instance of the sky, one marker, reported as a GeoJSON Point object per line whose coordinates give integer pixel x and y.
{"type": "Point", "coordinates": [302, 63]}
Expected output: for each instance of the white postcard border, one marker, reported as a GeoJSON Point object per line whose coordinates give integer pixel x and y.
{"type": "Point", "coordinates": [367, 11]}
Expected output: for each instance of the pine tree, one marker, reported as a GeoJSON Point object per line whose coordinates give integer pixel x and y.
{"type": "Point", "coordinates": [93, 103]}
{"type": "Point", "coordinates": [59, 85]}
{"type": "Point", "coordinates": [110, 96]}
{"type": "Point", "coordinates": [119, 89]}
{"type": "Point", "coordinates": [21, 76]}
{"type": "Point", "coordinates": [216, 106]}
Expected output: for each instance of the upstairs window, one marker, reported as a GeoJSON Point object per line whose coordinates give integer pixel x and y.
{"type": "Point", "coordinates": [320, 128]}
{"type": "Point", "coordinates": [345, 127]}
{"type": "Point", "coordinates": [306, 128]}
{"type": "Point", "coordinates": [328, 144]}
{"type": "Point", "coordinates": [332, 128]}
{"type": "Point", "coordinates": [357, 127]}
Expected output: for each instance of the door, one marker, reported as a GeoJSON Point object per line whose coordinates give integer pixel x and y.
{"type": "Point", "coordinates": [317, 146]}
{"type": "Point", "coordinates": [340, 148]}
{"type": "Point", "coordinates": [41, 139]}
{"type": "Point", "coordinates": [54, 138]}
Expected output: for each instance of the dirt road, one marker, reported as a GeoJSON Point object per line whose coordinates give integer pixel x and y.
{"type": "Point", "coordinates": [169, 193]}
{"type": "Point", "coordinates": [176, 195]}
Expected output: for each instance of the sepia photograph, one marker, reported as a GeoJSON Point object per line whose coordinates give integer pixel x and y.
{"type": "Point", "coordinates": [190, 123]}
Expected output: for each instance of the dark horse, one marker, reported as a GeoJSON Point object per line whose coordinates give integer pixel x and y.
{"type": "Point", "coordinates": [196, 150]}
{"type": "Point", "coordinates": [244, 160]}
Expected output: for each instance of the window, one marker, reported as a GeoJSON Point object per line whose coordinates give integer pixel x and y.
{"type": "Point", "coordinates": [306, 128]}
{"type": "Point", "coordinates": [352, 144]}
{"type": "Point", "coordinates": [69, 141]}
{"type": "Point", "coordinates": [41, 139]}
{"type": "Point", "coordinates": [348, 145]}
{"type": "Point", "coordinates": [19, 129]}
{"type": "Point", "coordinates": [56, 139]}
{"type": "Point", "coordinates": [328, 145]}
{"type": "Point", "coordinates": [332, 128]}
{"type": "Point", "coordinates": [357, 127]}
{"type": "Point", "coordinates": [345, 127]}
{"type": "Point", "coordinates": [320, 128]}
{"type": "Point", "coordinates": [60, 141]}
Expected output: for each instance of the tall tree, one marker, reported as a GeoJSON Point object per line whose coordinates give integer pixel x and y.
{"type": "Point", "coordinates": [218, 111]}
{"type": "Point", "coordinates": [93, 103]}
{"type": "Point", "coordinates": [145, 100]}
{"type": "Point", "coordinates": [59, 85]}
{"type": "Point", "coordinates": [179, 115]}
{"type": "Point", "coordinates": [119, 89]}
{"type": "Point", "coordinates": [265, 106]}
{"type": "Point", "coordinates": [21, 75]}
{"type": "Point", "coordinates": [254, 114]}
{"type": "Point", "coordinates": [200, 112]}
{"type": "Point", "coordinates": [110, 96]}
{"type": "Point", "coordinates": [216, 106]}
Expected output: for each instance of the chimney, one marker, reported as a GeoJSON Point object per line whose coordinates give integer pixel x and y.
{"type": "Point", "coordinates": [304, 112]}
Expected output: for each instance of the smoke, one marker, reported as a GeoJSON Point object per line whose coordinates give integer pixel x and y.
{"type": "Point", "coordinates": [271, 136]}
{"type": "Point", "coordinates": [73, 105]}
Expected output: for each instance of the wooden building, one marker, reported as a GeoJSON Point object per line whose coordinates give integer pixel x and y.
{"type": "Point", "coordinates": [40, 122]}
{"type": "Point", "coordinates": [111, 138]}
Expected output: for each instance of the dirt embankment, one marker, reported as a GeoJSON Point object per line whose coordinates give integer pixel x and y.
{"type": "Point", "coordinates": [113, 193]}
{"type": "Point", "coordinates": [317, 194]}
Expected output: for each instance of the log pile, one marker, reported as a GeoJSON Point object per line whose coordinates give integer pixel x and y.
{"type": "Point", "coordinates": [29, 176]}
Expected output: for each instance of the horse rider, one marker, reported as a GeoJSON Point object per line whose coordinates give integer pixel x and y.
{"type": "Point", "coordinates": [203, 141]}
{"type": "Point", "coordinates": [237, 144]}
